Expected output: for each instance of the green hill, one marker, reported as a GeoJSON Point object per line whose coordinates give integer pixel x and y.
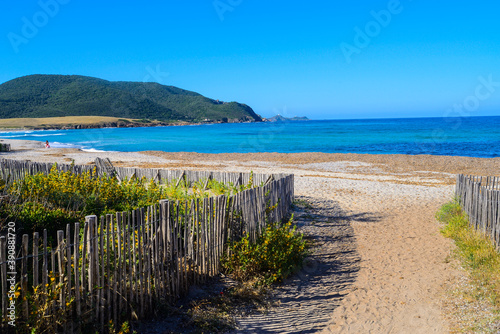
{"type": "Point", "coordinates": [37, 96]}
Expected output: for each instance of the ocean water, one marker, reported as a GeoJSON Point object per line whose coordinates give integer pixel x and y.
{"type": "Point", "coordinates": [468, 136]}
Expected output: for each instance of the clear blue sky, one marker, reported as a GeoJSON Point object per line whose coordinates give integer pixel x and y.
{"type": "Point", "coordinates": [285, 57]}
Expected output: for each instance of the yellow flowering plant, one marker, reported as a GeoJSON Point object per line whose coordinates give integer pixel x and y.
{"type": "Point", "coordinates": [50, 201]}
{"type": "Point", "coordinates": [46, 314]}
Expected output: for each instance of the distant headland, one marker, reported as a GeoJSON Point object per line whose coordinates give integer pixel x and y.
{"type": "Point", "coordinates": [279, 118]}
{"type": "Point", "coordinates": [76, 102]}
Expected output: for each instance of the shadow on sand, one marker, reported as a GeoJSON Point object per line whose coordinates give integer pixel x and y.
{"type": "Point", "coordinates": [306, 301]}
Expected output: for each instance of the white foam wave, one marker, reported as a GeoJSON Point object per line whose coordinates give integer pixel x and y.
{"type": "Point", "coordinates": [91, 150]}
{"type": "Point", "coordinates": [14, 136]}
{"type": "Point", "coordinates": [63, 145]}
{"type": "Point", "coordinates": [29, 134]}
{"type": "Point", "coordinates": [15, 131]}
{"type": "Point", "coordinates": [47, 134]}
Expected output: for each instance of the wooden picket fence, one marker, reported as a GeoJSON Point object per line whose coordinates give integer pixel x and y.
{"type": "Point", "coordinates": [120, 266]}
{"type": "Point", "coordinates": [11, 170]}
{"type": "Point", "coordinates": [479, 197]}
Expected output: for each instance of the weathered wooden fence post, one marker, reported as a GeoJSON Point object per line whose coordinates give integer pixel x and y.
{"type": "Point", "coordinates": [481, 202]}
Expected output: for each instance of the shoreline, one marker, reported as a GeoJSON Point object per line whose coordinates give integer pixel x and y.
{"type": "Point", "coordinates": [377, 164]}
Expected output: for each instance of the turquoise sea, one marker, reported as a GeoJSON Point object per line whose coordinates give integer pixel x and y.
{"type": "Point", "coordinates": [467, 136]}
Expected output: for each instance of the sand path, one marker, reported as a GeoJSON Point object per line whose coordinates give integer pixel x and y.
{"type": "Point", "coordinates": [400, 281]}
{"type": "Point", "coordinates": [380, 265]}
{"type": "Point", "coordinates": [306, 301]}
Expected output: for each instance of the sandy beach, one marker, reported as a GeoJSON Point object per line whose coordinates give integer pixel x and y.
{"type": "Point", "coordinates": [378, 263]}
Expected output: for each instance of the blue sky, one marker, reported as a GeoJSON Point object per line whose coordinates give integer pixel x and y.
{"type": "Point", "coordinates": [325, 59]}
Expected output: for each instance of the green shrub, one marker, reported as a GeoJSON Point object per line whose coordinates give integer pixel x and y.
{"type": "Point", "coordinates": [36, 217]}
{"type": "Point", "coordinates": [273, 257]}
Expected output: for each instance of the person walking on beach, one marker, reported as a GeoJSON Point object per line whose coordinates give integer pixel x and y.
{"type": "Point", "coordinates": [47, 144]}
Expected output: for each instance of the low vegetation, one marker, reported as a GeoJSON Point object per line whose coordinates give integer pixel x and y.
{"type": "Point", "coordinates": [272, 258]}
{"type": "Point", "coordinates": [215, 314]}
{"type": "Point", "coordinates": [478, 255]}
{"type": "Point", "coordinates": [50, 201]}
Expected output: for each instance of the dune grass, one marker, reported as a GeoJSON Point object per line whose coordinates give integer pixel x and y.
{"type": "Point", "coordinates": [478, 256]}
{"type": "Point", "coordinates": [476, 251]}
